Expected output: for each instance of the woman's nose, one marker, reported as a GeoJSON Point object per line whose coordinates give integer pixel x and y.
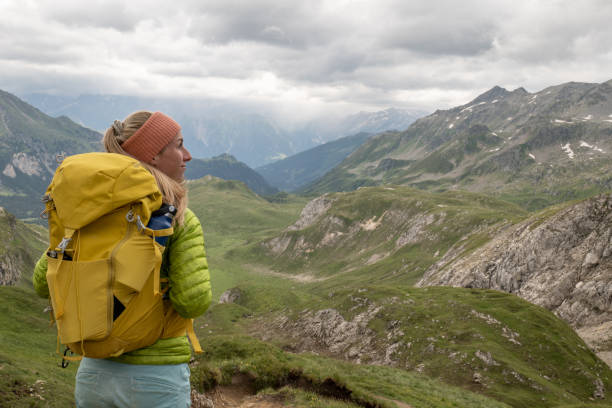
{"type": "Point", "coordinates": [186, 155]}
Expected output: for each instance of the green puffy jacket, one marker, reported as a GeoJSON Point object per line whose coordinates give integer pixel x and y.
{"type": "Point", "coordinates": [185, 265]}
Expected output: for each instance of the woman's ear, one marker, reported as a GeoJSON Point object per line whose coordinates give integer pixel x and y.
{"type": "Point", "coordinates": [154, 160]}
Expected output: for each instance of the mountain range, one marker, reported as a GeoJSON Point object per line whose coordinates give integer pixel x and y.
{"type": "Point", "coordinates": [534, 149]}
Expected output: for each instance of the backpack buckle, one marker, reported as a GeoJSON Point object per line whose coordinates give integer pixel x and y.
{"type": "Point", "coordinates": [64, 244]}
{"type": "Point", "coordinates": [140, 224]}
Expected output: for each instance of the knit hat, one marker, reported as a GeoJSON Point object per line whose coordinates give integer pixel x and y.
{"type": "Point", "coordinates": [151, 137]}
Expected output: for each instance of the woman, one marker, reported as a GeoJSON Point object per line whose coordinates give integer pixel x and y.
{"type": "Point", "coordinates": [157, 375]}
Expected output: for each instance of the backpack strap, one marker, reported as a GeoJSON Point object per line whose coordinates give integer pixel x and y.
{"type": "Point", "coordinates": [61, 249]}
{"type": "Point", "coordinates": [195, 343]}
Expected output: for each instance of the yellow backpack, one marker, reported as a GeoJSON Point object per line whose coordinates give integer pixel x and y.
{"type": "Point", "coordinates": [102, 259]}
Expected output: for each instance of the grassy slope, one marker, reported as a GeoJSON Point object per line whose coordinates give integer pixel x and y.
{"type": "Point", "coordinates": [29, 371]}
{"type": "Point", "coordinates": [267, 366]}
{"type": "Point", "coordinates": [441, 332]}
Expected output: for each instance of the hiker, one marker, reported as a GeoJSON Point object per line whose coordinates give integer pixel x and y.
{"type": "Point", "coordinates": [156, 375]}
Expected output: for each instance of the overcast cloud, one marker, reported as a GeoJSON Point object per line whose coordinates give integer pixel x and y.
{"type": "Point", "coordinates": [303, 57]}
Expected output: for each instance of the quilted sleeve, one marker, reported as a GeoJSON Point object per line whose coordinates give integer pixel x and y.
{"type": "Point", "coordinates": [187, 269]}
{"type": "Point", "coordinates": [39, 279]}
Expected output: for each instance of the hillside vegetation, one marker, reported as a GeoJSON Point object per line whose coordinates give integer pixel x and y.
{"type": "Point", "coordinates": [483, 341]}
{"type": "Point", "coordinates": [413, 346]}
{"type": "Point", "coordinates": [381, 234]}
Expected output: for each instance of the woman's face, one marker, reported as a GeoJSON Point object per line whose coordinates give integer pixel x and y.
{"type": "Point", "coordinates": [173, 158]}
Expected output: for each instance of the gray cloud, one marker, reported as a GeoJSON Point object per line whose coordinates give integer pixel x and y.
{"type": "Point", "coordinates": [285, 24]}
{"type": "Point", "coordinates": [113, 14]}
{"type": "Point", "coordinates": [318, 55]}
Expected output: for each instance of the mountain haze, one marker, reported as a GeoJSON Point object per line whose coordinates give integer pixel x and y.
{"type": "Point", "coordinates": [213, 127]}
{"type": "Point", "coordinates": [534, 149]}
{"type": "Point", "coordinates": [300, 169]}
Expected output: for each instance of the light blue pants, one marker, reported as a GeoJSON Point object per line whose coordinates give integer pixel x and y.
{"type": "Point", "coordinates": [107, 384]}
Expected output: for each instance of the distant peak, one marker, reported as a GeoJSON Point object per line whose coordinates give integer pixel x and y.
{"type": "Point", "coordinates": [225, 156]}
{"type": "Point", "coordinates": [520, 90]}
{"type": "Point", "coordinates": [492, 94]}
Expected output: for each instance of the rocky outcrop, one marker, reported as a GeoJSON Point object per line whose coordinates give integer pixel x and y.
{"type": "Point", "coordinates": [562, 262]}
{"type": "Point", "coordinates": [311, 212]}
{"type": "Point", "coordinates": [10, 269]}
{"type": "Point", "coordinates": [232, 295]}
{"type": "Point", "coordinates": [19, 246]}
{"type": "Point", "coordinates": [328, 331]}
{"type": "Point", "coordinates": [27, 164]}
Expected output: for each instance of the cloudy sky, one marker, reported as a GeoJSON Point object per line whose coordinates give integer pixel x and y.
{"type": "Point", "coordinates": [303, 57]}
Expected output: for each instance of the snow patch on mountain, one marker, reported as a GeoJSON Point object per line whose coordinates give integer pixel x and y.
{"type": "Point", "coordinates": [469, 108]}
{"type": "Point", "coordinates": [567, 149]}
{"type": "Point", "coordinates": [585, 144]}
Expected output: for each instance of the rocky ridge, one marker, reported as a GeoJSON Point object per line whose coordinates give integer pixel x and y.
{"type": "Point", "coordinates": [559, 260]}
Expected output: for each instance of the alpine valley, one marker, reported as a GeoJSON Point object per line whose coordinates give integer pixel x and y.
{"type": "Point", "coordinates": [465, 261]}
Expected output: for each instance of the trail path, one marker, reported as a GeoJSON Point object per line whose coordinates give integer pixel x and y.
{"type": "Point", "coordinates": [301, 277]}
{"type": "Point", "coordinates": [236, 396]}
{"type": "Point", "coordinates": [233, 397]}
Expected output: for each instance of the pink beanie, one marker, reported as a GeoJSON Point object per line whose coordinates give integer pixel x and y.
{"type": "Point", "coordinates": [151, 137]}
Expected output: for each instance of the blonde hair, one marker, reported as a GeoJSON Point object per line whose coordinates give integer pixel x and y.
{"type": "Point", "coordinates": [173, 192]}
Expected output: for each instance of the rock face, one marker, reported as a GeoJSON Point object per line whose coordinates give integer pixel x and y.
{"type": "Point", "coordinates": [232, 295]}
{"type": "Point", "coordinates": [10, 269]}
{"type": "Point", "coordinates": [20, 246]}
{"type": "Point", "coordinates": [562, 262]}
{"type": "Point", "coordinates": [327, 330]}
